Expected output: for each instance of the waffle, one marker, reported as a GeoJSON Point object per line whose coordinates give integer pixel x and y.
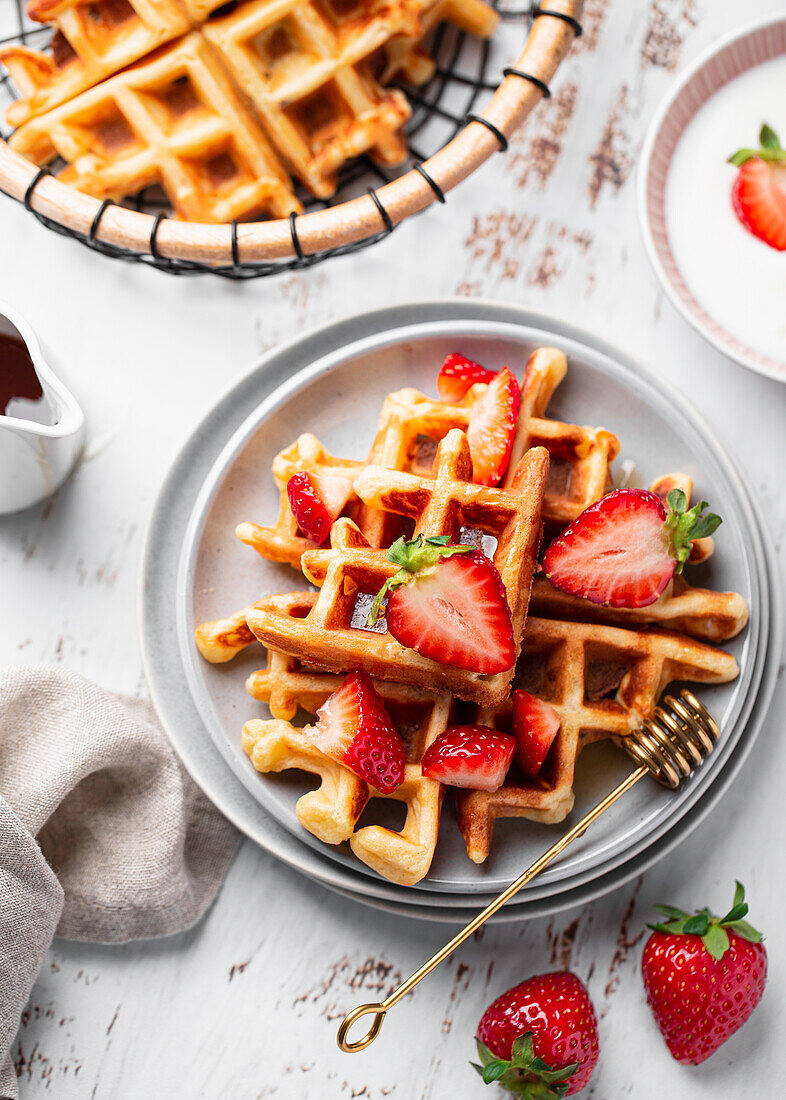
{"type": "Point", "coordinates": [304, 72]}
{"type": "Point", "coordinates": [173, 120]}
{"type": "Point", "coordinates": [332, 811]}
{"type": "Point", "coordinates": [307, 68]}
{"type": "Point", "coordinates": [444, 505]}
{"type": "Point", "coordinates": [412, 424]}
{"type": "Point", "coordinates": [91, 41]}
{"type": "Point", "coordinates": [283, 542]}
{"type": "Point", "coordinates": [603, 681]}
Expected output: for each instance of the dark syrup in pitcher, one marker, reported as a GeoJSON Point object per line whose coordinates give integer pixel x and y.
{"type": "Point", "coordinates": [21, 393]}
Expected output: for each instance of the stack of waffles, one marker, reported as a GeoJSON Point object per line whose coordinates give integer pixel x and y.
{"type": "Point", "coordinates": [222, 104]}
{"type": "Point", "coordinates": [602, 669]}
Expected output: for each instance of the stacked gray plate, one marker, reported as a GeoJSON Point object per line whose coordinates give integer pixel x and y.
{"type": "Point", "coordinates": [332, 383]}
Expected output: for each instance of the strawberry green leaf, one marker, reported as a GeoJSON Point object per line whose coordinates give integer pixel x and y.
{"type": "Point", "coordinates": [484, 1053]}
{"type": "Point", "coordinates": [741, 156]}
{"type": "Point", "coordinates": [494, 1070]}
{"type": "Point", "coordinates": [736, 913]}
{"type": "Point", "coordinates": [768, 139]}
{"type": "Point", "coordinates": [696, 926]}
{"type": "Point", "coordinates": [671, 911]}
{"type": "Point", "coordinates": [716, 940]}
{"type": "Point", "coordinates": [684, 526]}
{"type": "Point", "coordinates": [745, 931]}
{"type": "Point", "coordinates": [739, 893]}
{"type": "Point", "coordinates": [522, 1054]}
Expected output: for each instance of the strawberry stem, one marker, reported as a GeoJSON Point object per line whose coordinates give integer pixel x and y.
{"type": "Point", "coordinates": [712, 930]}
{"type": "Point", "coordinates": [414, 557]}
{"type": "Point", "coordinates": [686, 525]}
{"type": "Point", "coordinates": [524, 1074]}
{"type": "Point", "coordinates": [769, 149]}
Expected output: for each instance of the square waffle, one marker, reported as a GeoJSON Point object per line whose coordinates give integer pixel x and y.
{"type": "Point", "coordinates": [332, 811]}
{"type": "Point", "coordinates": [412, 424]}
{"type": "Point", "coordinates": [603, 681]}
{"type": "Point", "coordinates": [91, 41]}
{"type": "Point", "coordinates": [443, 505]}
{"type": "Point", "coordinates": [307, 68]}
{"type": "Point", "coordinates": [173, 120]}
{"type": "Point", "coordinates": [305, 72]}
{"type": "Point", "coordinates": [283, 542]}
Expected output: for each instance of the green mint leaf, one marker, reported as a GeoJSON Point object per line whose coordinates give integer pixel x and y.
{"type": "Point", "coordinates": [696, 925]}
{"type": "Point", "coordinates": [716, 940]}
{"type": "Point", "coordinates": [768, 138]}
{"type": "Point", "coordinates": [493, 1071]}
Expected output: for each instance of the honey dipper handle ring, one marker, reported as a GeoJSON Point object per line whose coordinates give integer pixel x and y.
{"type": "Point", "coordinates": [659, 748]}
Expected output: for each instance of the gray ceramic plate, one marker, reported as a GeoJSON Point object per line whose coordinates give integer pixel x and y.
{"type": "Point", "coordinates": [338, 396]}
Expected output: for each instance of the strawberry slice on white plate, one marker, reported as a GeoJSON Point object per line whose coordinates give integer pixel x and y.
{"type": "Point", "coordinates": [354, 729]}
{"type": "Point", "coordinates": [759, 191]}
{"type": "Point", "coordinates": [317, 500]}
{"type": "Point", "coordinates": [492, 429]}
{"type": "Point", "coordinates": [476, 757]}
{"type": "Point", "coordinates": [458, 374]}
{"type": "Point", "coordinates": [449, 604]}
{"type": "Point", "coordinates": [624, 550]}
{"type": "Point", "coordinates": [535, 725]}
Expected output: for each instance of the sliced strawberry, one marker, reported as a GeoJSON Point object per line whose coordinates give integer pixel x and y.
{"type": "Point", "coordinates": [492, 428]}
{"type": "Point", "coordinates": [535, 725]}
{"type": "Point", "coordinates": [759, 201]}
{"type": "Point", "coordinates": [477, 757]}
{"type": "Point", "coordinates": [449, 604]}
{"type": "Point", "coordinates": [759, 191]}
{"type": "Point", "coordinates": [316, 501]}
{"type": "Point", "coordinates": [458, 374]}
{"type": "Point", "coordinates": [354, 729]}
{"type": "Point", "coordinates": [624, 550]}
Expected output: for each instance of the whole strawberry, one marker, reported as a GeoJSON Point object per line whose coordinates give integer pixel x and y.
{"type": "Point", "coordinates": [540, 1039]}
{"type": "Point", "coordinates": [703, 977]}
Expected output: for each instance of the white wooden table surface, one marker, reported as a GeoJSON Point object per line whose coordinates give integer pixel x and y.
{"type": "Point", "coordinates": [246, 1005]}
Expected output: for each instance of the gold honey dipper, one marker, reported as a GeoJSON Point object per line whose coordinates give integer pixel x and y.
{"type": "Point", "coordinates": [668, 746]}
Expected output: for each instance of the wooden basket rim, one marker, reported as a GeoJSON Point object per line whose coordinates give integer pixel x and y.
{"type": "Point", "coordinates": [353, 221]}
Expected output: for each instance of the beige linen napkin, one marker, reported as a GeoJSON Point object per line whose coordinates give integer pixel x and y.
{"type": "Point", "coordinates": [103, 836]}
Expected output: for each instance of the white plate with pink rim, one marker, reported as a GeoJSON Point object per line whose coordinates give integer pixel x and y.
{"type": "Point", "coordinates": [727, 283]}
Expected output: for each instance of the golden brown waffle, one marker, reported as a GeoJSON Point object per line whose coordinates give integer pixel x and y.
{"type": "Point", "coordinates": [412, 424]}
{"type": "Point", "coordinates": [603, 681]}
{"type": "Point", "coordinates": [332, 811]}
{"type": "Point", "coordinates": [350, 569]}
{"type": "Point", "coordinates": [307, 72]}
{"type": "Point", "coordinates": [284, 542]}
{"type": "Point", "coordinates": [174, 120]}
{"type": "Point", "coordinates": [91, 41]}
{"type": "Point", "coordinates": [307, 68]}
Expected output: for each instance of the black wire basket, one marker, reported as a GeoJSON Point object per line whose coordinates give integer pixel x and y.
{"type": "Point", "coordinates": [466, 67]}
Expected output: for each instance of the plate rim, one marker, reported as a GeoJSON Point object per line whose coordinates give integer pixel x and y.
{"type": "Point", "coordinates": [777, 372]}
{"type": "Point", "coordinates": [373, 323]}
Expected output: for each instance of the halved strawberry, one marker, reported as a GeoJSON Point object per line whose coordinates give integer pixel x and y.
{"type": "Point", "coordinates": [492, 428]}
{"type": "Point", "coordinates": [759, 191]}
{"type": "Point", "coordinates": [316, 501]}
{"type": "Point", "coordinates": [448, 603]}
{"type": "Point", "coordinates": [624, 550]}
{"type": "Point", "coordinates": [535, 725]}
{"type": "Point", "coordinates": [354, 729]}
{"type": "Point", "coordinates": [458, 374]}
{"type": "Point", "coordinates": [477, 757]}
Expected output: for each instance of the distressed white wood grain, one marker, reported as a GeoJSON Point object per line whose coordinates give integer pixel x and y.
{"type": "Point", "coordinates": [247, 1004]}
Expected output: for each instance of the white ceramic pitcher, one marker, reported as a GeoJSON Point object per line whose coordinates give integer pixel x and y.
{"type": "Point", "coordinates": [36, 458]}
